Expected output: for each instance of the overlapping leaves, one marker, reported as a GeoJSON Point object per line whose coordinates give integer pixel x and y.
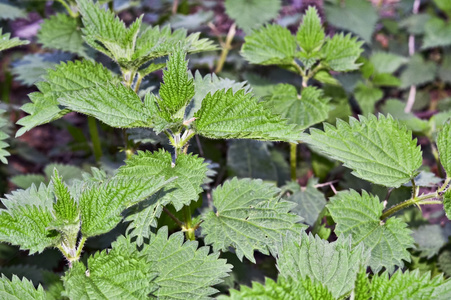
{"type": "Point", "coordinates": [3, 137]}
{"type": "Point", "coordinates": [359, 216]}
{"type": "Point", "coordinates": [249, 216]}
{"type": "Point", "coordinates": [377, 149]}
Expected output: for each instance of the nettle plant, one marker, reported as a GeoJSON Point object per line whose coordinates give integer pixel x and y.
{"type": "Point", "coordinates": [244, 215]}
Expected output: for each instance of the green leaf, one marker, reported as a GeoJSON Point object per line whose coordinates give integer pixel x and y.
{"type": "Point", "coordinates": [367, 96]}
{"type": "Point", "coordinates": [25, 181]}
{"type": "Point", "coordinates": [444, 71]}
{"type": "Point", "coordinates": [310, 35]}
{"type": "Point", "coordinates": [285, 288]}
{"type": "Point", "coordinates": [270, 45]}
{"type": "Point", "coordinates": [61, 82]}
{"type": "Point", "coordinates": [395, 108]}
{"type": "Point", "coordinates": [356, 16]}
{"type": "Point", "coordinates": [120, 273]}
{"type": "Point", "coordinates": [386, 80]}
{"type": "Point", "coordinates": [117, 195]}
{"type": "Point", "coordinates": [211, 83]}
{"type": "Point", "coordinates": [359, 216]}
{"type": "Point", "coordinates": [305, 110]}
{"type": "Point", "coordinates": [106, 33]}
{"type": "Point", "coordinates": [28, 227]}
{"type": "Point", "coordinates": [418, 72]}
{"type": "Point", "coordinates": [20, 289]}
{"type": "Point", "coordinates": [6, 42]}
{"type": "Point", "coordinates": [386, 62]}
{"type": "Point", "coordinates": [65, 208]}
{"type": "Point", "coordinates": [430, 239]}
{"type": "Point", "coordinates": [249, 216]}
{"type": "Point", "coordinates": [447, 203]}
{"type": "Point", "coordinates": [310, 202]}
{"type": "Point", "coordinates": [379, 150]}
{"type": "Point", "coordinates": [341, 52]}
{"type": "Point", "coordinates": [416, 23]}
{"type": "Point", "coordinates": [228, 115]}
{"type": "Point", "coordinates": [114, 104]}
{"type": "Point", "coordinates": [407, 285]}
{"type": "Point", "coordinates": [190, 171]}
{"type": "Point", "coordinates": [68, 172]}
{"type": "Point", "coordinates": [261, 11]}
{"type": "Point", "coordinates": [32, 67]}
{"type": "Point", "coordinates": [444, 6]}
{"type": "Point", "coordinates": [153, 42]}
{"type": "Point", "coordinates": [334, 264]}
{"type": "Point", "coordinates": [444, 147]}
{"type": "Point", "coordinates": [437, 33]}
{"type": "Point", "coordinates": [178, 89]}
{"type": "Point", "coordinates": [62, 32]}
{"type": "Point", "coordinates": [9, 11]}
{"type": "Point", "coordinates": [184, 271]}
{"type": "Point", "coordinates": [3, 136]}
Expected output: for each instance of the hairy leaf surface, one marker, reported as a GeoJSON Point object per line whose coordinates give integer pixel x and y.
{"type": "Point", "coordinates": [284, 288]}
{"type": "Point", "coordinates": [113, 104]}
{"type": "Point", "coordinates": [334, 264]}
{"type": "Point", "coordinates": [270, 45]}
{"type": "Point", "coordinates": [66, 79]}
{"type": "Point", "coordinates": [359, 216]}
{"type": "Point", "coordinates": [310, 35]}
{"type": "Point", "coordinates": [304, 110]}
{"type": "Point", "coordinates": [3, 136]}
{"type": "Point", "coordinates": [116, 195]}
{"type": "Point", "coordinates": [444, 147]}
{"type": "Point", "coordinates": [341, 52]}
{"type": "Point", "coordinates": [121, 273]}
{"type": "Point", "coordinates": [20, 289]}
{"type": "Point", "coordinates": [249, 216]}
{"type": "Point", "coordinates": [379, 150]}
{"type": "Point", "coordinates": [228, 115]}
{"type": "Point", "coordinates": [184, 270]}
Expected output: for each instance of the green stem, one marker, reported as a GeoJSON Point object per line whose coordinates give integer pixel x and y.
{"type": "Point", "coordinates": [94, 133]}
{"type": "Point", "coordinates": [226, 48]}
{"type": "Point", "coordinates": [299, 69]}
{"type": "Point", "coordinates": [80, 247]}
{"type": "Point", "coordinates": [174, 218]}
{"type": "Point", "coordinates": [293, 158]}
{"type": "Point", "coordinates": [69, 10]}
{"type": "Point", "coordinates": [423, 199]}
{"type": "Point", "coordinates": [138, 82]}
{"type": "Point", "coordinates": [189, 229]}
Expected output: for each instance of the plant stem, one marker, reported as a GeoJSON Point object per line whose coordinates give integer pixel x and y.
{"type": "Point", "coordinates": [423, 199]}
{"type": "Point", "coordinates": [94, 133]}
{"type": "Point", "coordinates": [174, 218]}
{"type": "Point", "coordinates": [80, 247]}
{"type": "Point", "coordinates": [188, 228]}
{"type": "Point", "coordinates": [226, 48]}
{"type": "Point", "coordinates": [138, 82]}
{"type": "Point", "coordinates": [293, 158]}
{"type": "Point", "coordinates": [69, 10]}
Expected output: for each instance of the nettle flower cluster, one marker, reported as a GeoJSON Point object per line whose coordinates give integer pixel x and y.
{"type": "Point", "coordinates": [245, 215]}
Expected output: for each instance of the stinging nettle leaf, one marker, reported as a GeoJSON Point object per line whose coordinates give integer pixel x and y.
{"type": "Point", "coordinates": [62, 32]}
{"type": "Point", "coordinates": [20, 289]}
{"type": "Point", "coordinates": [65, 207]}
{"type": "Point", "coordinates": [377, 149]}
{"type": "Point", "coordinates": [305, 110]}
{"type": "Point", "coordinates": [359, 216]}
{"type": "Point", "coordinates": [310, 35]}
{"type": "Point", "coordinates": [66, 79]}
{"type": "Point", "coordinates": [239, 115]}
{"type": "Point", "coordinates": [178, 89]}
{"type": "Point", "coordinates": [6, 42]}
{"type": "Point", "coordinates": [184, 270]}
{"type": "Point", "coordinates": [121, 273]}
{"type": "Point", "coordinates": [249, 216]}
{"type": "Point", "coordinates": [284, 288]}
{"type": "Point", "coordinates": [261, 11]}
{"type": "Point", "coordinates": [418, 72]}
{"type": "Point", "coordinates": [341, 52]}
{"type": "Point", "coordinates": [334, 264]}
{"type": "Point", "coordinates": [444, 147]}
{"type": "Point", "coordinates": [270, 45]}
{"type": "Point", "coordinates": [3, 137]}
{"type": "Point", "coordinates": [116, 195]}
{"type": "Point", "coordinates": [386, 62]}
{"type": "Point", "coordinates": [114, 104]}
